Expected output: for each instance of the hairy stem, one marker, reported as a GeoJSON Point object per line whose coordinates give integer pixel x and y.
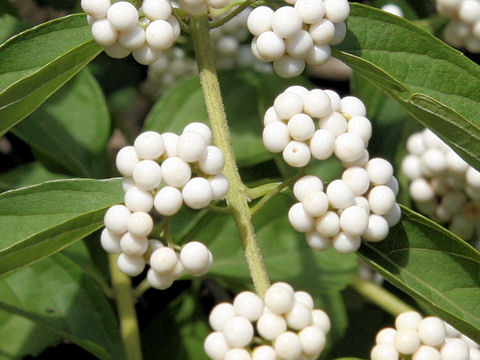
{"type": "Point", "coordinates": [381, 297]}
{"type": "Point", "coordinates": [126, 311]}
{"type": "Point", "coordinates": [236, 197]}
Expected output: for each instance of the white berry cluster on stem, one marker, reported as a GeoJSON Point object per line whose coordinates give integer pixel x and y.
{"type": "Point", "coordinates": [161, 172]}
{"type": "Point", "coordinates": [294, 35]}
{"type": "Point", "coordinates": [359, 206]}
{"type": "Point", "coordinates": [121, 29]}
{"type": "Point", "coordinates": [303, 124]}
{"type": "Point", "coordinates": [463, 30]}
{"type": "Point", "coordinates": [283, 325]}
{"type": "Point", "coordinates": [443, 186]}
{"type": "Point", "coordinates": [418, 338]}
{"type": "Point", "coordinates": [229, 43]}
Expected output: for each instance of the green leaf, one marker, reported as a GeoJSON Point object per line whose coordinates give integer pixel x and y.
{"type": "Point", "coordinates": [57, 294]}
{"type": "Point", "coordinates": [40, 220]}
{"type": "Point", "coordinates": [72, 128]}
{"type": "Point", "coordinates": [26, 175]}
{"type": "Point", "coordinates": [36, 63]}
{"type": "Point", "coordinates": [420, 72]}
{"type": "Point", "coordinates": [286, 254]}
{"type": "Point", "coordinates": [433, 266]}
{"type": "Point", "coordinates": [20, 337]}
{"type": "Point", "coordinates": [184, 103]}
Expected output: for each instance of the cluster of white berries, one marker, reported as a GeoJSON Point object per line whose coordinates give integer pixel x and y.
{"type": "Point", "coordinates": [443, 186]}
{"type": "Point", "coordinates": [121, 30]}
{"type": "Point", "coordinates": [161, 172]}
{"type": "Point", "coordinates": [361, 205]}
{"type": "Point", "coordinates": [279, 35]}
{"type": "Point", "coordinates": [428, 338]}
{"type": "Point", "coordinates": [463, 30]}
{"type": "Point", "coordinates": [343, 129]}
{"type": "Point", "coordinates": [172, 65]}
{"type": "Point", "coordinates": [283, 325]}
{"type": "Point", "coordinates": [229, 42]}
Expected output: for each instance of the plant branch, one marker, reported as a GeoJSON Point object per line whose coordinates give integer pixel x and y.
{"type": "Point", "coordinates": [381, 297]}
{"type": "Point", "coordinates": [236, 197]}
{"type": "Point", "coordinates": [276, 190]}
{"type": "Point", "coordinates": [232, 14]}
{"type": "Point", "coordinates": [126, 311]}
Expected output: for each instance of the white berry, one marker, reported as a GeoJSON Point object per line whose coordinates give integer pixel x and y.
{"type": "Point", "coordinates": [149, 145]}
{"type": "Point", "coordinates": [195, 258]}
{"type": "Point", "coordinates": [123, 16]}
{"type": "Point", "coordinates": [168, 201]}
{"type": "Point", "coordinates": [238, 331]}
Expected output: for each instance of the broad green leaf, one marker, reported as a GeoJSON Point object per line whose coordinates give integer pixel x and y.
{"type": "Point", "coordinates": [20, 337]}
{"type": "Point", "coordinates": [26, 175]}
{"type": "Point", "coordinates": [57, 294]}
{"type": "Point", "coordinates": [36, 63]}
{"type": "Point", "coordinates": [433, 266]}
{"type": "Point", "coordinates": [286, 254]}
{"type": "Point", "coordinates": [72, 128]}
{"type": "Point", "coordinates": [184, 104]}
{"type": "Point", "coordinates": [40, 220]}
{"type": "Point", "coordinates": [420, 72]}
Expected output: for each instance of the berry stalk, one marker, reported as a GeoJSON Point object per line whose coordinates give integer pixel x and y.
{"type": "Point", "coordinates": [380, 297]}
{"type": "Point", "coordinates": [237, 196]}
{"type": "Point", "coordinates": [126, 311]}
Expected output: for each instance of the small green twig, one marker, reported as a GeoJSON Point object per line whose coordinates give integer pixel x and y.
{"type": "Point", "coordinates": [231, 15]}
{"type": "Point", "coordinates": [180, 15]}
{"type": "Point", "coordinates": [141, 288]}
{"type": "Point", "coordinates": [381, 297]}
{"type": "Point", "coordinates": [220, 209]}
{"type": "Point", "coordinates": [275, 191]}
{"type": "Point", "coordinates": [126, 311]}
{"type": "Point", "coordinates": [261, 190]}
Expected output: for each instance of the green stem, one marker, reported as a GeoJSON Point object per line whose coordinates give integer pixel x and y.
{"type": "Point", "coordinates": [236, 197]}
{"type": "Point", "coordinates": [141, 288]}
{"type": "Point", "coordinates": [126, 311]}
{"type": "Point", "coordinates": [381, 297]}
{"type": "Point", "coordinates": [262, 190]}
{"type": "Point", "coordinates": [275, 191]}
{"type": "Point", "coordinates": [231, 15]}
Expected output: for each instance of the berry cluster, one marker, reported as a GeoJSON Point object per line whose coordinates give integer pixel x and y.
{"type": "Point", "coordinates": [284, 324]}
{"type": "Point", "coordinates": [463, 30]}
{"type": "Point", "coordinates": [172, 65]}
{"type": "Point", "coordinates": [360, 205]}
{"type": "Point", "coordinates": [293, 35]}
{"type": "Point", "coordinates": [121, 31]}
{"type": "Point", "coordinates": [420, 338]}
{"type": "Point", "coordinates": [229, 42]}
{"type": "Point", "coordinates": [158, 173]}
{"type": "Point", "coordinates": [443, 186]}
{"type": "Point", "coordinates": [343, 128]}
{"type": "Point", "coordinates": [166, 265]}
